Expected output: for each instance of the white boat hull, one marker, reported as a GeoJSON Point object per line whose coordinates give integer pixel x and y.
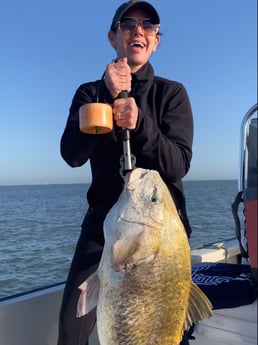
{"type": "Point", "coordinates": [31, 319]}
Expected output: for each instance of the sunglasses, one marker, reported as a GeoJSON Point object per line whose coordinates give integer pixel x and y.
{"type": "Point", "coordinates": [130, 24]}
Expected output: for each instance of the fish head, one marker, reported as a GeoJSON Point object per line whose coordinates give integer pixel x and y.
{"type": "Point", "coordinates": [141, 220]}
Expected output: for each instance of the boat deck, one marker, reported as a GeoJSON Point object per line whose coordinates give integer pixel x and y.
{"type": "Point", "coordinates": [236, 326]}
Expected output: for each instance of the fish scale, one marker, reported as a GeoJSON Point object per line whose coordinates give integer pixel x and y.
{"type": "Point", "coordinates": [146, 294]}
{"type": "Point", "coordinates": [139, 314]}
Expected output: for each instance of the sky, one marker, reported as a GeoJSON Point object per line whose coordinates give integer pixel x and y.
{"type": "Point", "coordinates": [48, 48]}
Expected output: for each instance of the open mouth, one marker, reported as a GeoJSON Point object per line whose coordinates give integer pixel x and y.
{"type": "Point", "coordinates": [137, 44]}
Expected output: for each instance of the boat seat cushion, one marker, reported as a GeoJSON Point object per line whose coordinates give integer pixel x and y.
{"type": "Point", "coordinates": [226, 285]}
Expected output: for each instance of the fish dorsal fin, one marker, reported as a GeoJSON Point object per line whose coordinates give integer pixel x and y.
{"type": "Point", "coordinates": [89, 296]}
{"type": "Point", "coordinates": [123, 249]}
{"type": "Point", "coordinates": [199, 307]}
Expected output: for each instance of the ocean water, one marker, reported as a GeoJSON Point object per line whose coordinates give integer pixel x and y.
{"type": "Point", "coordinates": [40, 225]}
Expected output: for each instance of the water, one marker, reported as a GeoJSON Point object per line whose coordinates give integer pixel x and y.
{"type": "Point", "coordinates": [209, 210]}
{"type": "Point", "coordinates": [39, 227]}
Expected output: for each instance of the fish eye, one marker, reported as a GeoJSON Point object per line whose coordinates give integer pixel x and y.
{"type": "Point", "coordinates": [154, 199]}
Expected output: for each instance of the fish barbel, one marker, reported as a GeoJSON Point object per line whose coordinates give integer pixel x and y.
{"type": "Point", "coordinates": [143, 287]}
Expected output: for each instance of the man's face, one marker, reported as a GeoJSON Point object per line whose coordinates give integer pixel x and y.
{"type": "Point", "coordinates": [138, 44]}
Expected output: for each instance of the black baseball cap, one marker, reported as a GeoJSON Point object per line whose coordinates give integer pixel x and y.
{"type": "Point", "coordinates": [143, 5]}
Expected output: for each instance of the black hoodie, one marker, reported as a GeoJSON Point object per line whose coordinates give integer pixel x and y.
{"type": "Point", "coordinates": [161, 141]}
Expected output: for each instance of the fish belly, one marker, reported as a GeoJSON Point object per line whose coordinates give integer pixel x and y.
{"type": "Point", "coordinates": [146, 306]}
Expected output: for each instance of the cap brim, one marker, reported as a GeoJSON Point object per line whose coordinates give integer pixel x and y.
{"type": "Point", "coordinates": [143, 5]}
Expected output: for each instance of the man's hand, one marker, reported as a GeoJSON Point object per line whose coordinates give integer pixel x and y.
{"type": "Point", "coordinates": [125, 112]}
{"type": "Point", "coordinates": [118, 77]}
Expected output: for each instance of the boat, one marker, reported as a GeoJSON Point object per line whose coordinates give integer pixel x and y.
{"type": "Point", "coordinates": [32, 318]}
{"type": "Point", "coordinates": [236, 325]}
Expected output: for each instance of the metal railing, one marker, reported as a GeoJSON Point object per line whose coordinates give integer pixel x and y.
{"type": "Point", "coordinates": [243, 145]}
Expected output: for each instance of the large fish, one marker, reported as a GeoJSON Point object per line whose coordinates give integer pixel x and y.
{"type": "Point", "coordinates": [143, 287]}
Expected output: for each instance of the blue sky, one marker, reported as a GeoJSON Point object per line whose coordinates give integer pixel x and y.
{"type": "Point", "coordinates": [48, 48]}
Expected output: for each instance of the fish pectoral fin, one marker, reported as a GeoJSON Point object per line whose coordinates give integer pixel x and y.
{"type": "Point", "coordinates": [199, 307]}
{"type": "Point", "coordinates": [88, 299]}
{"type": "Point", "coordinates": [123, 249]}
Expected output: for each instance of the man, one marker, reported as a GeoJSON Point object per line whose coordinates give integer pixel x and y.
{"type": "Point", "coordinates": [158, 115]}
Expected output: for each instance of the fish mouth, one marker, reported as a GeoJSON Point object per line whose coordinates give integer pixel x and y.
{"type": "Point", "coordinates": [131, 221]}
{"type": "Point", "coordinates": [134, 178]}
{"type": "Point", "coordinates": [142, 224]}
